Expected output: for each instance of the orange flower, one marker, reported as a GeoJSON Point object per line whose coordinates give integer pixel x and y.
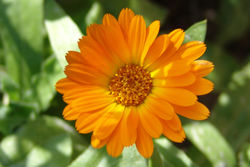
{"type": "Point", "coordinates": [126, 85]}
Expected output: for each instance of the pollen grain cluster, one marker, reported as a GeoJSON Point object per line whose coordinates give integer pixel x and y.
{"type": "Point", "coordinates": [130, 85]}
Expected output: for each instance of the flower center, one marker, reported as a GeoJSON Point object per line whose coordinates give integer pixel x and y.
{"type": "Point", "coordinates": [130, 85]}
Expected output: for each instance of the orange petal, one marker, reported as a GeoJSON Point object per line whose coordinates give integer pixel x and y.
{"type": "Point", "coordinates": [156, 50]}
{"type": "Point", "coordinates": [195, 112]}
{"type": "Point", "coordinates": [115, 38]}
{"type": "Point", "coordinates": [179, 81]}
{"type": "Point", "coordinates": [176, 96]}
{"type": "Point", "coordinates": [65, 84]}
{"type": "Point", "coordinates": [71, 90]}
{"type": "Point", "coordinates": [202, 68]}
{"type": "Point", "coordinates": [69, 113]}
{"type": "Point", "coordinates": [191, 51]}
{"type": "Point", "coordinates": [136, 37]}
{"type": "Point", "coordinates": [97, 143]}
{"type": "Point", "coordinates": [87, 121]}
{"type": "Point", "coordinates": [116, 45]}
{"type": "Point", "coordinates": [85, 75]}
{"type": "Point", "coordinates": [124, 20]}
{"type": "Point", "coordinates": [74, 57]}
{"type": "Point", "coordinates": [102, 41]}
{"type": "Point", "coordinates": [175, 68]}
{"type": "Point", "coordinates": [93, 52]}
{"type": "Point", "coordinates": [144, 143]}
{"type": "Point", "coordinates": [176, 136]}
{"type": "Point", "coordinates": [177, 37]}
{"type": "Point", "coordinates": [148, 119]}
{"type": "Point", "coordinates": [108, 122]}
{"type": "Point", "coordinates": [129, 125]}
{"type": "Point", "coordinates": [114, 145]}
{"type": "Point", "coordinates": [110, 20]}
{"type": "Point", "coordinates": [174, 123]}
{"type": "Point", "coordinates": [152, 32]}
{"type": "Point", "coordinates": [92, 100]}
{"type": "Point", "coordinates": [201, 86]}
{"type": "Point", "coordinates": [159, 107]}
{"type": "Point", "coordinates": [175, 40]}
{"type": "Point", "coordinates": [78, 91]}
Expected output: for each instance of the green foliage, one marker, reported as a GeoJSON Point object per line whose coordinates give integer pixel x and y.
{"type": "Point", "coordinates": [99, 158]}
{"type": "Point", "coordinates": [35, 37]}
{"type": "Point", "coordinates": [214, 146]}
{"type": "Point", "coordinates": [244, 156]}
{"type": "Point", "coordinates": [233, 104]}
{"type": "Point", "coordinates": [169, 155]}
{"type": "Point", "coordinates": [63, 32]}
{"type": "Point", "coordinates": [22, 41]}
{"type": "Point", "coordinates": [45, 140]}
{"type": "Point", "coordinates": [11, 118]}
{"type": "Point", "coordinates": [44, 82]}
{"type": "Point", "coordinates": [196, 32]}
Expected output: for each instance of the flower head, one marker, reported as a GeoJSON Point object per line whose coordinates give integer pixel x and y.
{"type": "Point", "coordinates": [127, 84]}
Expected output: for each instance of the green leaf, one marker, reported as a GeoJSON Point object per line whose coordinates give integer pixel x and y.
{"type": "Point", "coordinates": [13, 115]}
{"type": "Point", "coordinates": [244, 156]}
{"type": "Point", "coordinates": [197, 156]}
{"type": "Point", "coordinates": [196, 32]}
{"type": "Point", "coordinates": [77, 10]}
{"type": "Point", "coordinates": [231, 113]}
{"type": "Point", "coordinates": [94, 14]}
{"type": "Point", "coordinates": [44, 82]}
{"type": "Point", "coordinates": [172, 156]}
{"type": "Point", "coordinates": [1, 52]}
{"type": "Point", "coordinates": [25, 78]}
{"type": "Point", "coordinates": [39, 133]}
{"type": "Point", "coordinates": [211, 143]}
{"type": "Point", "coordinates": [55, 152]}
{"type": "Point", "coordinates": [42, 91]}
{"type": "Point", "coordinates": [8, 85]}
{"type": "Point", "coordinates": [22, 37]}
{"type": "Point", "coordinates": [90, 157]}
{"type": "Point", "coordinates": [99, 158]}
{"type": "Point", "coordinates": [63, 32]}
{"type": "Point", "coordinates": [156, 159]}
{"type": "Point", "coordinates": [131, 157]}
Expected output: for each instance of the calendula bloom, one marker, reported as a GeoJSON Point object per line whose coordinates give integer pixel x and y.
{"type": "Point", "coordinates": [128, 85]}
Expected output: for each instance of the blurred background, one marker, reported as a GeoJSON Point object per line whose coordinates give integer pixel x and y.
{"type": "Point", "coordinates": [34, 37]}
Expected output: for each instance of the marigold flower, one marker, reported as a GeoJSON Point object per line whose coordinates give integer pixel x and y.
{"type": "Point", "coordinates": [126, 85]}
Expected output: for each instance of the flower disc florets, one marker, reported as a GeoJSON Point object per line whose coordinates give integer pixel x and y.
{"type": "Point", "coordinates": [131, 85]}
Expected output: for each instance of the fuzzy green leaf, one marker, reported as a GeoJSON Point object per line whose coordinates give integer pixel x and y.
{"type": "Point", "coordinates": [244, 156]}
{"type": "Point", "coordinates": [22, 37]}
{"type": "Point", "coordinates": [44, 82]}
{"type": "Point", "coordinates": [37, 135]}
{"type": "Point", "coordinates": [99, 158]}
{"type": "Point", "coordinates": [196, 32]}
{"type": "Point", "coordinates": [211, 143]}
{"type": "Point", "coordinates": [172, 156]}
{"type": "Point", "coordinates": [63, 32]}
{"type": "Point", "coordinates": [231, 113]}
